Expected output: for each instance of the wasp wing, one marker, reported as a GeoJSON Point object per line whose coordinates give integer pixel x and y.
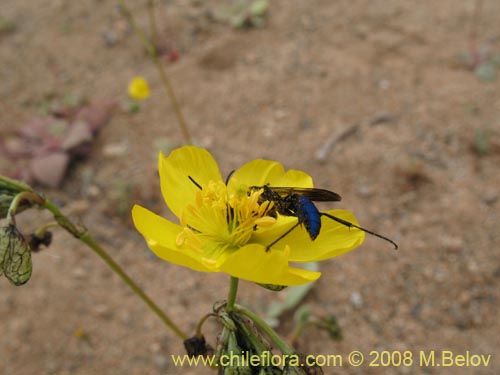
{"type": "Point", "coordinates": [318, 195]}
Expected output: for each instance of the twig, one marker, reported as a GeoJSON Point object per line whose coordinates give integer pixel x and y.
{"type": "Point", "coordinates": [327, 147]}
{"type": "Point", "coordinates": [473, 47]}
{"type": "Point", "coordinates": [151, 49]}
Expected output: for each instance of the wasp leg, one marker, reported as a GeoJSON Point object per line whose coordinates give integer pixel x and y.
{"type": "Point", "coordinates": [268, 247]}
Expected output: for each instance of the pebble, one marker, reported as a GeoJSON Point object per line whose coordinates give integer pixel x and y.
{"type": "Point", "coordinates": [80, 273]}
{"type": "Point", "coordinates": [115, 149]}
{"type": "Point", "coordinates": [77, 207]}
{"type": "Point", "coordinates": [161, 362]}
{"type": "Point", "coordinates": [49, 169]}
{"type": "Point", "coordinates": [357, 299]}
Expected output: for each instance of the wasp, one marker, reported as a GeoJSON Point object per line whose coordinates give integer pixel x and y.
{"type": "Point", "coordinates": [298, 202]}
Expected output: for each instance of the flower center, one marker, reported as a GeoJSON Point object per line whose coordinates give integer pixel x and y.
{"type": "Point", "coordinates": [219, 221]}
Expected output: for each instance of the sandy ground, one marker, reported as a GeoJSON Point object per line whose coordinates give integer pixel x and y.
{"type": "Point", "coordinates": [279, 92]}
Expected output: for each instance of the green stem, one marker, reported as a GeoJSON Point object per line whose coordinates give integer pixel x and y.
{"type": "Point", "coordinates": [298, 331]}
{"type": "Point", "coordinates": [152, 24]}
{"type": "Point", "coordinates": [18, 199]}
{"type": "Point", "coordinates": [89, 241]}
{"type": "Point", "coordinates": [40, 231]}
{"type": "Point", "coordinates": [250, 335]}
{"type": "Point", "coordinates": [233, 290]}
{"type": "Point", "coordinates": [84, 236]}
{"type": "Point", "coordinates": [150, 48]}
{"type": "Point", "coordinates": [277, 340]}
{"type": "Point", "coordinates": [13, 185]}
{"type": "Point", "coordinates": [200, 324]}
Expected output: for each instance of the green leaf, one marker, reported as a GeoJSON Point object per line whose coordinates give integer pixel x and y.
{"type": "Point", "coordinates": [302, 315]}
{"type": "Point", "coordinates": [486, 72]}
{"type": "Point", "coordinates": [294, 295]}
{"type": "Point", "coordinates": [333, 328]}
{"type": "Point", "coordinates": [259, 8]}
{"type": "Point", "coordinates": [482, 141]}
{"type": "Point", "coordinates": [495, 60]}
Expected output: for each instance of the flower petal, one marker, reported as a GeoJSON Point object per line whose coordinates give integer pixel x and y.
{"type": "Point", "coordinates": [138, 88]}
{"type": "Point", "coordinates": [175, 169]}
{"type": "Point", "coordinates": [160, 235]}
{"type": "Point", "coordinates": [252, 262]}
{"type": "Point", "coordinates": [261, 172]}
{"type": "Point", "coordinates": [334, 239]}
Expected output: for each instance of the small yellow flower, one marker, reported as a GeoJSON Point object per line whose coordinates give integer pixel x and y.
{"type": "Point", "coordinates": [138, 89]}
{"type": "Point", "coordinates": [224, 228]}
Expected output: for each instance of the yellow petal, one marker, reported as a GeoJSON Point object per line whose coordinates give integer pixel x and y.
{"type": "Point", "coordinates": [160, 235]}
{"type": "Point", "coordinates": [334, 238]}
{"type": "Point", "coordinates": [261, 172]}
{"type": "Point", "coordinates": [294, 178]}
{"type": "Point", "coordinates": [253, 263]}
{"type": "Point", "coordinates": [177, 189]}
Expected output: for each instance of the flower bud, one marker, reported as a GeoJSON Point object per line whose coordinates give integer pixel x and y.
{"type": "Point", "coordinates": [15, 255]}
{"type": "Point", "coordinates": [196, 346]}
{"type": "Point", "coordinates": [37, 240]}
{"type": "Point", "coordinates": [138, 88]}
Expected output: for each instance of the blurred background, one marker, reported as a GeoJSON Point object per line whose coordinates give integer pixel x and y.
{"type": "Point", "coordinates": [395, 105]}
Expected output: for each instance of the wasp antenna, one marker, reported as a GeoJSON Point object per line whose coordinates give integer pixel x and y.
{"type": "Point", "coordinates": [351, 225]}
{"type": "Point", "coordinates": [194, 182]}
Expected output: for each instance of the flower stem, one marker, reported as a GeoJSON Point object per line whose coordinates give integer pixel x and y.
{"type": "Point", "coordinates": [250, 336]}
{"type": "Point", "coordinates": [278, 341]}
{"type": "Point", "coordinates": [298, 331]}
{"type": "Point", "coordinates": [84, 236]}
{"type": "Point", "coordinates": [89, 241]}
{"type": "Point", "coordinates": [233, 290]}
{"type": "Point", "coordinates": [40, 231]}
{"type": "Point", "coordinates": [151, 49]}
{"type": "Point", "coordinates": [201, 322]}
{"type": "Point", "coordinates": [152, 24]}
{"type": "Point", "coordinates": [29, 195]}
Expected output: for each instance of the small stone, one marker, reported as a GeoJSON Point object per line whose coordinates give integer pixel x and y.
{"type": "Point", "coordinates": [357, 299]}
{"type": "Point", "coordinates": [77, 207]}
{"type": "Point", "coordinates": [78, 133]}
{"type": "Point", "coordinates": [115, 149]}
{"type": "Point", "coordinates": [79, 273]}
{"type": "Point", "coordinates": [161, 362]}
{"type": "Point", "coordinates": [110, 38]}
{"type": "Point", "coordinates": [49, 169]}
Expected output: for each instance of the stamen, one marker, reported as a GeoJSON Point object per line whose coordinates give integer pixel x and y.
{"type": "Point", "coordinates": [222, 221]}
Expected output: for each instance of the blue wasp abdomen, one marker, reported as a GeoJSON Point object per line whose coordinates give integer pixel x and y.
{"type": "Point", "coordinates": [308, 215]}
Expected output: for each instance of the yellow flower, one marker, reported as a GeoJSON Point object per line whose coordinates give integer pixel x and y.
{"type": "Point", "coordinates": [226, 229]}
{"type": "Point", "coordinates": [138, 89]}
